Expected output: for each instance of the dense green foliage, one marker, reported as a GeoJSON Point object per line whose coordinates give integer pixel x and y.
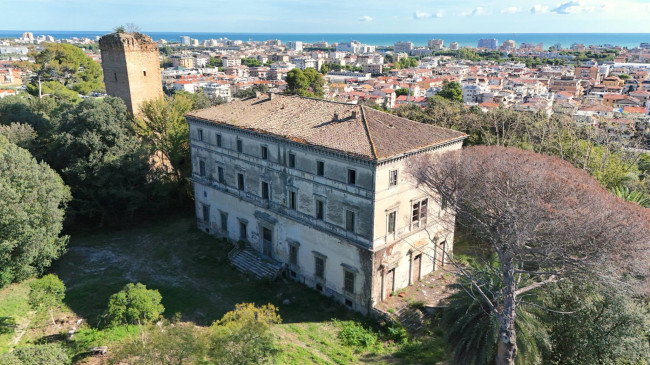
{"type": "Point", "coordinates": [47, 293]}
{"type": "Point", "coordinates": [20, 134]}
{"type": "Point", "coordinates": [133, 305]}
{"type": "Point", "coordinates": [353, 334]}
{"type": "Point", "coordinates": [451, 91]}
{"type": "Point", "coordinates": [589, 325]}
{"type": "Point", "coordinates": [100, 157]}
{"type": "Point", "coordinates": [305, 83]}
{"type": "Point", "coordinates": [49, 354]}
{"type": "Point", "coordinates": [33, 200]}
{"type": "Point", "coordinates": [406, 62]}
{"type": "Point", "coordinates": [251, 62]}
{"type": "Point", "coordinates": [585, 147]}
{"type": "Point", "coordinates": [215, 62]}
{"type": "Point", "coordinates": [243, 336]}
{"type": "Point", "coordinates": [65, 68]}
{"type": "Point", "coordinates": [402, 91]}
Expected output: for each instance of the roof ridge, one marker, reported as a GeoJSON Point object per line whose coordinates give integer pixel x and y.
{"type": "Point", "coordinates": [365, 125]}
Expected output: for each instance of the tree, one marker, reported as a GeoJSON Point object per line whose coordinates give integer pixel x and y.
{"type": "Point", "coordinates": [251, 62]}
{"type": "Point", "coordinates": [65, 65]}
{"type": "Point", "coordinates": [23, 135]}
{"type": "Point", "coordinates": [544, 220]}
{"type": "Point", "coordinates": [243, 336]}
{"type": "Point", "coordinates": [402, 91]}
{"type": "Point", "coordinates": [451, 91]}
{"type": "Point", "coordinates": [33, 200]}
{"type": "Point", "coordinates": [102, 159]}
{"type": "Point", "coordinates": [163, 126]}
{"type": "Point", "coordinates": [134, 304]}
{"type": "Point", "coordinates": [47, 292]}
{"type": "Point", "coordinates": [309, 83]}
{"type": "Point", "coordinates": [472, 330]}
{"type": "Point", "coordinates": [592, 325]}
{"type": "Point", "coordinates": [165, 343]}
{"type": "Point", "coordinates": [324, 69]}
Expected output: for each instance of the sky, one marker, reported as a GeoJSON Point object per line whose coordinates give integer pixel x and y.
{"type": "Point", "coordinates": [332, 16]}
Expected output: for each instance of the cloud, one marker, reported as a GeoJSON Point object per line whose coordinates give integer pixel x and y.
{"type": "Point", "coordinates": [476, 11]}
{"type": "Point", "coordinates": [539, 9]}
{"type": "Point", "coordinates": [365, 18]}
{"type": "Point", "coordinates": [568, 7]}
{"type": "Point", "coordinates": [422, 15]}
{"type": "Point", "coordinates": [510, 10]}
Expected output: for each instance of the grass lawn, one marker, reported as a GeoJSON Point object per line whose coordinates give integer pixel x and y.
{"type": "Point", "coordinates": [191, 271]}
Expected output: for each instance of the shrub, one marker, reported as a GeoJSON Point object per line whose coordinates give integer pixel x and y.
{"type": "Point", "coordinates": [353, 334]}
{"type": "Point", "coordinates": [50, 354]}
{"type": "Point", "coordinates": [47, 292]}
{"type": "Point", "coordinates": [134, 304]}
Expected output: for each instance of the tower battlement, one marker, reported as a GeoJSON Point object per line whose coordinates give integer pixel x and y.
{"type": "Point", "coordinates": [127, 42]}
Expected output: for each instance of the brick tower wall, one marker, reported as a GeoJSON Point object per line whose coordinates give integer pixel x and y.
{"type": "Point", "coordinates": [131, 68]}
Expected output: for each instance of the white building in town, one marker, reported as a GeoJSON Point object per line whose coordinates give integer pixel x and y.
{"type": "Point", "coordinates": [321, 189]}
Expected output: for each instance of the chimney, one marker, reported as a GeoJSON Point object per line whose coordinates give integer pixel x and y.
{"type": "Point", "coordinates": [272, 96]}
{"type": "Point", "coordinates": [354, 114]}
{"type": "Point", "coordinates": [258, 94]}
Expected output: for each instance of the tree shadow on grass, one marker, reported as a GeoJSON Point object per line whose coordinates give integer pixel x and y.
{"type": "Point", "coordinates": [188, 267]}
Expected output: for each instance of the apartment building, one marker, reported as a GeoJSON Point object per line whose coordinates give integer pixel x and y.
{"type": "Point", "coordinates": [323, 189]}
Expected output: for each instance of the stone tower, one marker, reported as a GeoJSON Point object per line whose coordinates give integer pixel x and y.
{"type": "Point", "coordinates": [131, 68]}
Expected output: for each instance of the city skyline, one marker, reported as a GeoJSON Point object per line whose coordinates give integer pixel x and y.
{"type": "Point", "coordinates": [320, 16]}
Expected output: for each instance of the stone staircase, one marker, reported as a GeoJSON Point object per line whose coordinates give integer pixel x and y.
{"type": "Point", "coordinates": [251, 262]}
{"type": "Point", "coordinates": [411, 318]}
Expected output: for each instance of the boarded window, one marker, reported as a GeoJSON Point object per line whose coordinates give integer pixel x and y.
{"type": "Point", "coordinates": [293, 254]}
{"type": "Point", "coordinates": [352, 177]}
{"type": "Point", "coordinates": [320, 209]}
{"type": "Point", "coordinates": [206, 213]}
{"type": "Point", "coordinates": [348, 284]}
{"type": "Point", "coordinates": [218, 140]}
{"type": "Point", "coordinates": [220, 173]}
{"type": "Point", "coordinates": [240, 145]}
{"type": "Point", "coordinates": [224, 221]}
{"type": "Point", "coordinates": [320, 168]}
{"type": "Point", "coordinates": [320, 267]}
{"type": "Point", "coordinates": [265, 153]}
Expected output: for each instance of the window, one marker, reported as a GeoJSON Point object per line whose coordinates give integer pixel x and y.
{"type": "Point", "coordinates": [349, 220]}
{"type": "Point", "coordinates": [352, 177]}
{"type": "Point", "coordinates": [443, 203]}
{"type": "Point", "coordinates": [348, 281]}
{"type": "Point", "coordinates": [243, 231]}
{"type": "Point", "coordinates": [292, 200]}
{"type": "Point", "coordinates": [320, 267]}
{"type": "Point", "coordinates": [201, 168]}
{"type": "Point", "coordinates": [320, 168]}
{"type": "Point", "coordinates": [320, 209]}
{"type": "Point", "coordinates": [144, 73]}
{"type": "Point", "coordinates": [391, 222]}
{"type": "Point", "coordinates": [419, 213]}
{"type": "Point", "coordinates": [240, 145]}
{"type": "Point", "coordinates": [199, 133]}
{"type": "Point", "coordinates": [206, 213]}
{"type": "Point", "coordinates": [221, 175]}
{"type": "Point", "coordinates": [265, 190]}
{"type": "Point", "coordinates": [265, 153]}
{"type": "Point", "coordinates": [240, 181]}
{"type": "Point", "coordinates": [292, 160]}
{"type": "Point", "coordinates": [115, 75]}
{"type": "Point", "coordinates": [224, 221]}
{"type": "Point", "coordinates": [218, 140]}
{"type": "Point", "coordinates": [392, 178]}
{"type": "Point", "coordinates": [293, 254]}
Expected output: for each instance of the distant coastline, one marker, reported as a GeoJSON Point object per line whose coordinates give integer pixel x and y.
{"type": "Point", "coordinates": [630, 40]}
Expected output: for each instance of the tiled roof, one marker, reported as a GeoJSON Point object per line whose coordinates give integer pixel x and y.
{"type": "Point", "coordinates": [352, 129]}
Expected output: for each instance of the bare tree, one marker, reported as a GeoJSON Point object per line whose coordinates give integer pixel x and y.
{"type": "Point", "coordinates": [544, 219]}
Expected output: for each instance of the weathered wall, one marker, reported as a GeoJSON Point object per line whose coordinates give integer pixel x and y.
{"type": "Point", "coordinates": [131, 69]}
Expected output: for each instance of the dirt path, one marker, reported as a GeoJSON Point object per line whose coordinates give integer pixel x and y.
{"type": "Point", "coordinates": [21, 329]}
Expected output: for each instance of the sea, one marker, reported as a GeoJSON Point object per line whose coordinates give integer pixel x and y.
{"type": "Point", "coordinates": [630, 40]}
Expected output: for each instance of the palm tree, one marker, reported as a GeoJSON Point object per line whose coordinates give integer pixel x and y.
{"type": "Point", "coordinates": [634, 196]}
{"type": "Point", "coordinates": [472, 329]}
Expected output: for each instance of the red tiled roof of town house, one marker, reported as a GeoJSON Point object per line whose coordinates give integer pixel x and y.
{"type": "Point", "coordinates": [347, 128]}
{"type": "Point", "coordinates": [634, 110]}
